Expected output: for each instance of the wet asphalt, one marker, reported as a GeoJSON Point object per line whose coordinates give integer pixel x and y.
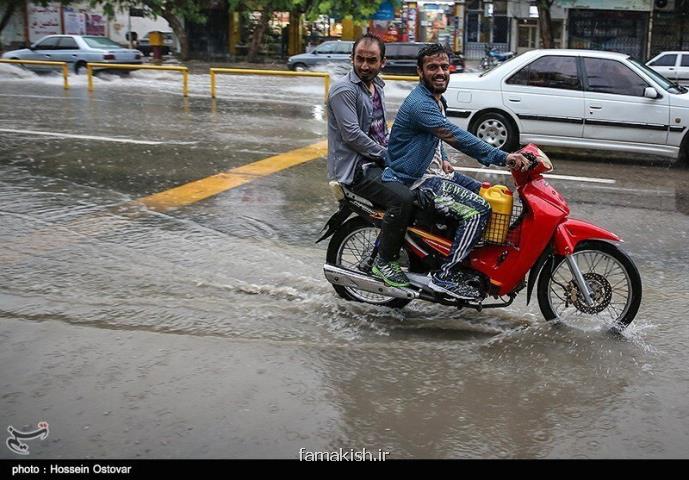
{"type": "Point", "coordinates": [209, 331]}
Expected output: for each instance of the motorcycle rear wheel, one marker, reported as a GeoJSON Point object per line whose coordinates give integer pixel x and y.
{"type": "Point", "coordinates": [610, 273]}
{"type": "Point", "coordinates": [351, 245]}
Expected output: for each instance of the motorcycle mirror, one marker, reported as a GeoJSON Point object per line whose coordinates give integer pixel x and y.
{"type": "Point", "coordinates": [651, 92]}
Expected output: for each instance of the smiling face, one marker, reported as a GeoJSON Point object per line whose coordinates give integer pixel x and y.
{"type": "Point", "coordinates": [367, 61]}
{"type": "Point", "coordinates": [435, 73]}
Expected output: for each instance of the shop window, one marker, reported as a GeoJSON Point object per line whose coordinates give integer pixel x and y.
{"type": "Point", "coordinates": [473, 5]}
{"type": "Point", "coordinates": [665, 61]}
{"type": "Point", "coordinates": [472, 27]}
{"type": "Point", "coordinates": [500, 29]}
{"type": "Point", "coordinates": [610, 76]}
{"type": "Point", "coordinates": [549, 72]}
{"type": "Point", "coordinates": [500, 7]}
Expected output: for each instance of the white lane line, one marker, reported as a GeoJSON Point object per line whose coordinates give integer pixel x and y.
{"type": "Point", "coordinates": [92, 137]}
{"type": "Point", "coordinates": [557, 177]}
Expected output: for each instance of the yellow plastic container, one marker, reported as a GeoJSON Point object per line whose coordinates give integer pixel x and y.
{"type": "Point", "coordinates": [500, 199]}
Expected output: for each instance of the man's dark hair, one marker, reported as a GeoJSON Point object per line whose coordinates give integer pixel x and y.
{"type": "Point", "coordinates": [429, 51]}
{"type": "Point", "coordinates": [369, 37]}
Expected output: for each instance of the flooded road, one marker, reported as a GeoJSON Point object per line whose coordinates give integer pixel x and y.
{"type": "Point", "coordinates": [208, 331]}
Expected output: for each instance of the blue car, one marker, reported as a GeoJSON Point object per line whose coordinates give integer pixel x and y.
{"type": "Point", "coordinates": [336, 53]}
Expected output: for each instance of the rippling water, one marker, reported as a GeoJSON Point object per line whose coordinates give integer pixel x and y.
{"type": "Point", "coordinates": [241, 268]}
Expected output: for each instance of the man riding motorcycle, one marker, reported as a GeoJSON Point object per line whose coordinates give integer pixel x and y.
{"type": "Point", "coordinates": [357, 141]}
{"type": "Point", "coordinates": [417, 159]}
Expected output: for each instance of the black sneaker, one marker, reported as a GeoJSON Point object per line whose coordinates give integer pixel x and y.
{"type": "Point", "coordinates": [449, 285]}
{"type": "Point", "coordinates": [390, 273]}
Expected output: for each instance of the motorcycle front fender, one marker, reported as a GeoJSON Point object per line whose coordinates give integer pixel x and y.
{"type": "Point", "coordinates": [572, 232]}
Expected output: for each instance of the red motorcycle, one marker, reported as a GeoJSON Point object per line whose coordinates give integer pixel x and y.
{"type": "Point", "coordinates": [576, 267]}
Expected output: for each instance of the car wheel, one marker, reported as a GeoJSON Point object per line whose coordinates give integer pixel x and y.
{"type": "Point", "coordinates": [683, 158]}
{"type": "Point", "coordinates": [79, 67]}
{"type": "Point", "coordinates": [300, 67]}
{"type": "Point", "coordinates": [496, 129]}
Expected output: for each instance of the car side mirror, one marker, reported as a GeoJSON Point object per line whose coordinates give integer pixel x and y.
{"type": "Point", "coordinates": [32, 47]}
{"type": "Point", "coordinates": [651, 92]}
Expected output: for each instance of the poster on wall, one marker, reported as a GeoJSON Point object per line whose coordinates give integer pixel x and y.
{"type": "Point", "coordinates": [95, 24]}
{"type": "Point", "coordinates": [75, 21]}
{"type": "Point", "coordinates": [411, 25]}
{"type": "Point", "coordinates": [43, 21]}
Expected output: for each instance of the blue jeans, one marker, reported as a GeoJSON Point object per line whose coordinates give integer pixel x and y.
{"type": "Point", "coordinates": [458, 198]}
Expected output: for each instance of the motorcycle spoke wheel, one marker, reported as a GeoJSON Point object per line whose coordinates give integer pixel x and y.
{"type": "Point", "coordinates": [614, 283]}
{"type": "Point", "coordinates": [355, 251]}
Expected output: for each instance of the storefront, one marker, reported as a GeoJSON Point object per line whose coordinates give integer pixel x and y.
{"type": "Point", "coordinates": [615, 25]}
{"type": "Point", "coordinates": [526, 34]}
{"type": "Point", "coordinates": [670, 29]}
{"type": "Point", "coordinates": [486, 24]}
{"type": "Point", "coordinates": [438, 21]}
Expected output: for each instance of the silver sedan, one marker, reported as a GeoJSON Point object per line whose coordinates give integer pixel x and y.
{"type": "Point", "coordinates": [77, 50]}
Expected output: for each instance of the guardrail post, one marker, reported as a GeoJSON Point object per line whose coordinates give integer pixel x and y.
{"type": "Point", "coordinates": [65, 76]}
{"type": "Point", "coordinates": [89, 73]}
{"type": "Point", "coordinates": [327, 87]}
{"type": "Point", "coordinates": [185, 88]}
{"type": "Point", "coordinates": [212, 83]}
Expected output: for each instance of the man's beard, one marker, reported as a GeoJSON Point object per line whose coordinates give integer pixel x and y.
{"type": "Point", "coordinates": [368, 76]}
{"type": "Point", "coordinates": [433, 88]}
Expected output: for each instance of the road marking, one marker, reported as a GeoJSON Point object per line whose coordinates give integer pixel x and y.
{"type": "Point", "coordinates": [198, 190]}
{"type": "Point", "coordinates": [92, 137]}
{"type": "Point", "coordinates": [556, 177]}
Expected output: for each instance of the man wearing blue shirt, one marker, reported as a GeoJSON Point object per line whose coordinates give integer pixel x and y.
{"type": "Point", "coordinates": [417, 159]}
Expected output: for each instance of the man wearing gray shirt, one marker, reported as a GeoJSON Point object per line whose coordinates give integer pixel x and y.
{"type": "Point", "coordinates": [357, 143]}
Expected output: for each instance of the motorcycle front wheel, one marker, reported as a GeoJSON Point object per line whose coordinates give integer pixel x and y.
{"type": "Point", "coordinates": [612, 277]}
{"type": "Point", "coordinates": [351, 247]}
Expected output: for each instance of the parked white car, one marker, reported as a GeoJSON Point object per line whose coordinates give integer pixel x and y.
{"type": "Point", "coordinates": [573, 98]}
{"type": "Point", "coordinates": [672, 65]}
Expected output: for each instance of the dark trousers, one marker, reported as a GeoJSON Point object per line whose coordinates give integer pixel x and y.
{"type": "Point", "coordinates": [397, 200]}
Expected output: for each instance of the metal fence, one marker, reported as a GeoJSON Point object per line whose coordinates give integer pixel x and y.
{"type": "Point", "coordinates": [477, 50]}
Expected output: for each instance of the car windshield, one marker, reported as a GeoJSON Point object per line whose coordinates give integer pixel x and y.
{"type": "Point", "coordinates": [100, 42]}
{"type": "Point", "coordinates": [665, 84]}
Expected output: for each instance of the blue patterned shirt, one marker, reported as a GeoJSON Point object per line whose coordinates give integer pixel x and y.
{"type": "Point", "coordinates": [419, 126]}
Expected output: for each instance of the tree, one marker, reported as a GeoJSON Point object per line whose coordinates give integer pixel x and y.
{"type": "Point", "coordinates": [173, 11]}
{"type": "Point", "coordinates": [545, 22]}
{"type": "Point", "coordinates": [9, 7]}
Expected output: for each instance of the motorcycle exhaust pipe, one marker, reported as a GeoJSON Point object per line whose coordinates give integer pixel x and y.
{"type": "Point", "coordinates": [350, 278]}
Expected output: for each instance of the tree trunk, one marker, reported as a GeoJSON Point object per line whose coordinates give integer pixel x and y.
{"type": "Point", "coordinates": [257, 36]}
{"type": "Point", "coordinates": [180, 33]}
{"type": "Point", "coordinates": [10, 8]}
{"type": "Point", "coordinates": [545, 23]}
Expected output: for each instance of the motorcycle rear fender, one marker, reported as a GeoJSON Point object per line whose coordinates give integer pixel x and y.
{"type": "Point", "coordinates": [571, 232]}
{"type": "Point", "coordinates": [335, 221]}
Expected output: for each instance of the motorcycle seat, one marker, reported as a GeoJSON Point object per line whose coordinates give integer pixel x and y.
{"type": "Point", "coordinates": [341, 192]}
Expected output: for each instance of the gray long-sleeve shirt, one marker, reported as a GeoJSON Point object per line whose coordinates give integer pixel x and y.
{"type": "Point", "coordinates": [350, 113]}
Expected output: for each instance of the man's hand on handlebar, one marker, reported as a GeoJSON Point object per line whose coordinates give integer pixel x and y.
{"type": "Point", "coordinates": [517, 161]}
